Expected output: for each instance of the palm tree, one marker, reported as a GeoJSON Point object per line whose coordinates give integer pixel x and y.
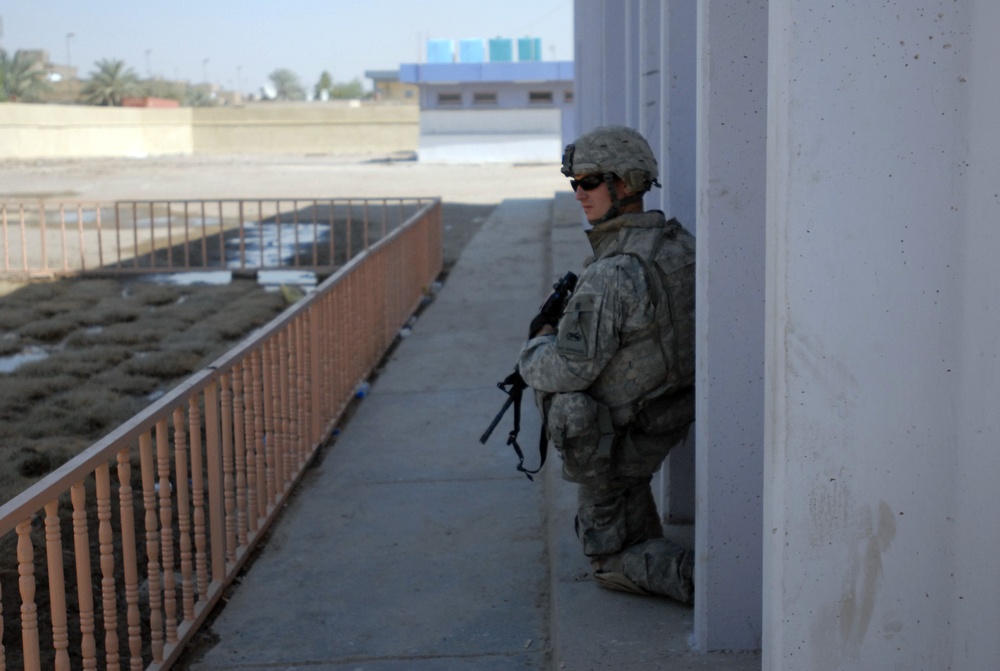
{"type": "Point", "coordinates": [287, 85]}
{"type": "Point", "coordinates": [22, 78]}
{"type": "Point", "coordinates": [110, 83]}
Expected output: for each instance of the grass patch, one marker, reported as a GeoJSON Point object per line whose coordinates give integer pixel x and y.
{"type": "Point", "coordinates": [119, 341]}
{"type": "Point", "coordinates": [50, 330]}
{"type": "Point", "coordinates": [13, 317]}
{"type": "Point", "coordinates": [153, 294]}
{"type": "Point", "coordinates": [164, 365]}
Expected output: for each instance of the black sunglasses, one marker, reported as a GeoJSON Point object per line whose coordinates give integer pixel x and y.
{"type": "Point", "coordinates": [589, 183]}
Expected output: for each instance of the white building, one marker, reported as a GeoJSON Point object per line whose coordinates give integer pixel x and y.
{"type": "Point", "coordinates": [493, 112]}
{"type": "Point", "coordinates": [840, 166]}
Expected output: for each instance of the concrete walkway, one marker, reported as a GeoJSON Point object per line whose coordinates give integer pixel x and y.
{"type": "Point", "coordinates": [411, 546]}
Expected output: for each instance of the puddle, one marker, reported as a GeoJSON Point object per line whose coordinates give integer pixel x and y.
{"type": "Point", "coordinates": [8, 364]}
{"type": "Point", "coordinates": [271, 245]}
{"type": "Point", "coordinates": [273, 279]}
{"type": "Point", "coordinates": [192, 277]}
{"type": "Point", "coordinates": [269, 279]}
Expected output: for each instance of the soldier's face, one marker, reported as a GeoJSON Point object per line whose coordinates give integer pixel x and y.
{"type": "Point", "coordinates": [595, 200]}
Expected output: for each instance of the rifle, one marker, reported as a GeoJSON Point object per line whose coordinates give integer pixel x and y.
{"type": "Point", "coordinates": [549, 313]}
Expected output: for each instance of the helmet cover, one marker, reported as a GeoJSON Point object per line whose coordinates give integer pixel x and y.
{"type": "Point", "coordinates": [618, 150]}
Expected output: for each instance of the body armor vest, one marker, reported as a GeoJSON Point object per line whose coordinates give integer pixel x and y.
{"type": "Point", "coordinates": [651, 377]}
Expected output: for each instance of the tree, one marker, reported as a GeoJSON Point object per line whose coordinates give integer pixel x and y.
{"type": "Point", "coordinates": [350, 90]}
{"type": "Point", "coordinates": [159, 88]}
{"type": "Point", "coordinates": [287, 85]}
{"type": "Point", "coordinates": [197, 97]}
{"type": "Point", "coordinates": [22, 78]}
{"type": "Point", "coordinates": [325, 83]}
{"type": "Point", "coordinates": [111, 82]}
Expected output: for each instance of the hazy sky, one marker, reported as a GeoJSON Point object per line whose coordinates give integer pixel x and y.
{"type": "Point", "coordinates": [244, 41]}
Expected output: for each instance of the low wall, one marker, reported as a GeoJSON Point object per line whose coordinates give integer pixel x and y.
{"type": "Point", "coordinates": [76, 131]}
{"type": "Point", "coordinates": [305, 129]}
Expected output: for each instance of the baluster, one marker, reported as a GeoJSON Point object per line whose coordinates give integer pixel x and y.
{"type": "Point", "coordinates": [213, 463]}
{"type": "Point", "coordinates": [305, 397]}
{"type": "Point", "coordinates": [105, 537]}
{"type": "Point", "coordinates": [183, 514]}
{"type": "Point", "coordinates": [259, 488]}
{"type": "Point", "coordinates": [84, 579]}
{"type": "Point", "coordinates": [166, 531]}
{"type": "Point", "coordinates": [284, 445]}
{"type": "Point", "coordinates": [26, 585]}
{"type": "Point", "coordinates": [293, 402]}
{"type": "Point", "coordinates": [57, 586]}
{"type": "Point", "coordinates": [277, 382]}
{"type": "Point", "coordinates": [198, 499]}
{"type": "Point", "coordinates": [241, 420]}
{"type": "Point", "coordinates": [270, 425]}
{"type": "Point", "coordinates": [129, 561]}
{"type": "Point", "coordinates": [228, 481]}
{"type": "Point", "coordinates": [147, 467]}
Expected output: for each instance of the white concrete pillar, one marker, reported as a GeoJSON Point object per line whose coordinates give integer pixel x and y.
{"type": "Point", "coordinates": [678, 124]}
{"type": "Point", "coordinates": [976, 542]}
{"type": "Point", "coordinates": [881, 536]}
{"type": "Point", "coordinates": [680, 29]}
{"type": "Point", "coordinates": [731, 148]}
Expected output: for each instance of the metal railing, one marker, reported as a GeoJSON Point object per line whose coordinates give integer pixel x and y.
{"type": "Point", "coordinates": [122, 552]}
{"type": "Point", "coordinates": [46, 239]}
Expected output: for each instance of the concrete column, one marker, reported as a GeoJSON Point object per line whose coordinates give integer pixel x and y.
{"type": "Point", "coordinates": [649, 101]}
{"type": "Point", "coordinates": [588, 43]}
{"type": "Point", "coordinates": [677, 198]}
{"type": "Point", "coordinates": [680, 83]}
{"type": "Point", "coordinates": [731, 149]}
{"type": "Point", "coordinates": [880, 530]}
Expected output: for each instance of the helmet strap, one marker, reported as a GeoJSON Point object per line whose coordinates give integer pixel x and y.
{"type": "Point", "coordinates": [617, 203]}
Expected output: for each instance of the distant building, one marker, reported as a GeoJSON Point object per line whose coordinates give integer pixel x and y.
{"type": "Point", "coordinates": [386, 86]}
{"type": "Point", "coordinates": [497, 111]}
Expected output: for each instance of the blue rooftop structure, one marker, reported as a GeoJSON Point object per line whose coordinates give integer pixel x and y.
{"type": "Point", "coordinates": [440, 51]}
{"type": "Point", "coordinates": [436, 73]}
{"type": "Point", "coordinates": [501, 49]}
{"type": "Point", "coordinates": [471, 51]}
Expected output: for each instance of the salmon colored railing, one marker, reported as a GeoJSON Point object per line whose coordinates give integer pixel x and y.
{"type": "Point", "coordinates": [122, 552]}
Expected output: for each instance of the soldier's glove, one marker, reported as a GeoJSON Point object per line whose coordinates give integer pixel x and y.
{"type": "Point", "coordinates": [541, 320]}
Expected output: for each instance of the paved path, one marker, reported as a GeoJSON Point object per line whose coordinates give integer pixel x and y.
{"type": "Point", "coordinates": [411, 546]}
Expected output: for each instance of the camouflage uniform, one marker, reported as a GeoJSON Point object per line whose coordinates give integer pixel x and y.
{"type": "Point", "coordinates": [616, 389]}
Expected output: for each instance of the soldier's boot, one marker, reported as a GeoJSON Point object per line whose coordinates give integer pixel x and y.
{"type": "Point", "coordinates": [655, 567]}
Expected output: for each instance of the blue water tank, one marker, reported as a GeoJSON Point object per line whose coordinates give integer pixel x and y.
{"type": "Point", "coordinates": [440, 51]}
{"type": "Point", "coordinates": [529, 49]}
{"type": "Point", "coordinates": [471, 51]}
{"type": "Point", "coordinates": [501, 50]}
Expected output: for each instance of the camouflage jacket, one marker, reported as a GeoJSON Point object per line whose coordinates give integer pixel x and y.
{"type": "Point", "coordinates": [627, 334]}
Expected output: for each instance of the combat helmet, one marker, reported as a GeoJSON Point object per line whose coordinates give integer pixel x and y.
{"type": "Point", "coordinates": [614, 151]}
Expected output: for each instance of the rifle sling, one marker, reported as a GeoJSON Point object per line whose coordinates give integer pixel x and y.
{"type": "Point", "coordinates": [516, 393]}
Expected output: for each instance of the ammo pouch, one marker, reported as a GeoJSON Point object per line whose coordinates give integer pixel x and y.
{"type": "Point", "coordinates": [660, 424]}
{"type": "Point", "coordinates": [581, 429]}
{"type": "Point", "coordinates": [591, 447]}
{"type": "Point", "coordinates": [666, 413]}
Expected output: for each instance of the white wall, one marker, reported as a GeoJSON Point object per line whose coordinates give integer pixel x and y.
{"type": "Point", "coordinates": [545, 120]}
{"type": "Point", "coordinates": [490, 136]}
{"type": "Point", "coordinates": [881, 532]}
